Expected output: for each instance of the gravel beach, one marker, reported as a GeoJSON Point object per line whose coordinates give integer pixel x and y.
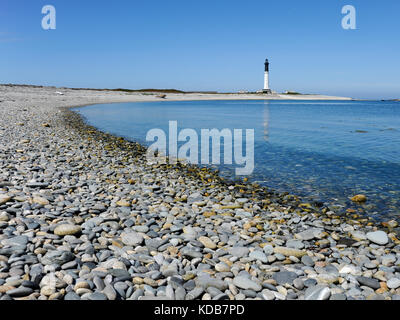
{"type": "Point", "coordinates": [84, 217]}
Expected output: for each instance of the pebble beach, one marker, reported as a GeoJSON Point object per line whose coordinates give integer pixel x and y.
{"type": "Point", "coordinates": [83, 216]}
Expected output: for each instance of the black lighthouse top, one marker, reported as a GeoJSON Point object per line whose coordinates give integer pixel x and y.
{"type": "Point", "coordinates": [266, 65]}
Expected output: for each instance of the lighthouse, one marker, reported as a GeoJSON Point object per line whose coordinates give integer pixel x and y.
{"type": "Point", "coordinates": [266, 78]}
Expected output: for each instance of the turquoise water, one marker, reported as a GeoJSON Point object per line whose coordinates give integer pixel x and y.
{"type": "Point", "coordinates": [322, 150]}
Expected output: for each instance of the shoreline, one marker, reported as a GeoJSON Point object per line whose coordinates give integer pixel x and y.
{"type": "Point", "coordinates": [187, 96]}
{"type": "Point", "coordinates": [205, 238]}
{"type": "Point", "coordinates": [352, 208]}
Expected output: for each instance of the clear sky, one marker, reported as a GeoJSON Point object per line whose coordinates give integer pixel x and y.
{"type": "Point", "coordinates": [204, 45]}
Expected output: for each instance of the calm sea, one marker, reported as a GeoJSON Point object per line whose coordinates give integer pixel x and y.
{"type": "Point", "coordinates": [321, 150]}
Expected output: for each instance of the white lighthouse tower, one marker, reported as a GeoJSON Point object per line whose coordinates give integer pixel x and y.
{"type": "Point", "coordinates": [266, 78]}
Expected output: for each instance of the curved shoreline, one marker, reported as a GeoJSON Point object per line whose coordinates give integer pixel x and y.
{"type": "Point", "coordinates": [175, 232]}
{"type": "Point", "coordinates": [375, 208]}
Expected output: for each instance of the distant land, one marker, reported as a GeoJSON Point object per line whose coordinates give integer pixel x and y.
{"type": "Point", "coordinates": [242, 95]}
{"type": "Point", "coordinates": [105, 89]}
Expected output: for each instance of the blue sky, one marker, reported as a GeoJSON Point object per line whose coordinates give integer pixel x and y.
{"type": "Point", "coordinates": [204, 45]}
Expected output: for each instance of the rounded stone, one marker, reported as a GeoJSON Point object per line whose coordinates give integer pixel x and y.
{"type": "Point", "coordinates": [20, 292]}
{"type": "Point", "coordinates": [47, 291]}
{"type": "Point", "coordinates": [97, 296]}
{"type": "Point", "coordinates": [246, 284]}
{"type": "Point", "coordinates": [378, 237]}
{"type": "Point", "coordinates": [207, 242]}
{"type": "Point", "coordinates": [4, 198]}
{"type": "Point", "coordinates": [67, 229]}
{"type": "Point", "coordinates": [222, 267]}
{"type": "Point", "coordinates": [308, 261]}
{"type": "Point", "coordinates": [359, 198]}
{"type": "Point", "coordinates": [123, 203]}
{"type": "Point", "coordinates": [131, 238]}
{"type": "Point", "coordinates": [289, 252]}
{"type": "Point", "coordinates": [284, 277]}
{"type": "Point", "coordinates": [393, 283]}
{"type": "Point", "coordinates": [40, 200]}
{"type": "Point", "coordinates": [82, 284]}
{"type": "Point", "coordinates": [238, 251]}
{"type": "Point", "coordinates": [317, 293]}
{"type": "Point", "coordinates": [369, 282]}
{"type": "Point", "coordinates": [259, 255]}
{"type": "Point", "coordinates": [298, 284]}
{"type": "Point", "coordinates": [267, 294]}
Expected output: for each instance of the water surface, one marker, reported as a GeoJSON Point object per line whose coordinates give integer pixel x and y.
{"type": "Point", "coordinates": [325, 150]}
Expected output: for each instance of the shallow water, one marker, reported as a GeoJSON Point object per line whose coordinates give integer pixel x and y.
{"type": "Point", "coordinates": [325, 150]}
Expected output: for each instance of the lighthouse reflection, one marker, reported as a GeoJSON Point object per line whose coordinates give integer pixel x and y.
{"type": "Point", "coordinates": [266, 120]}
